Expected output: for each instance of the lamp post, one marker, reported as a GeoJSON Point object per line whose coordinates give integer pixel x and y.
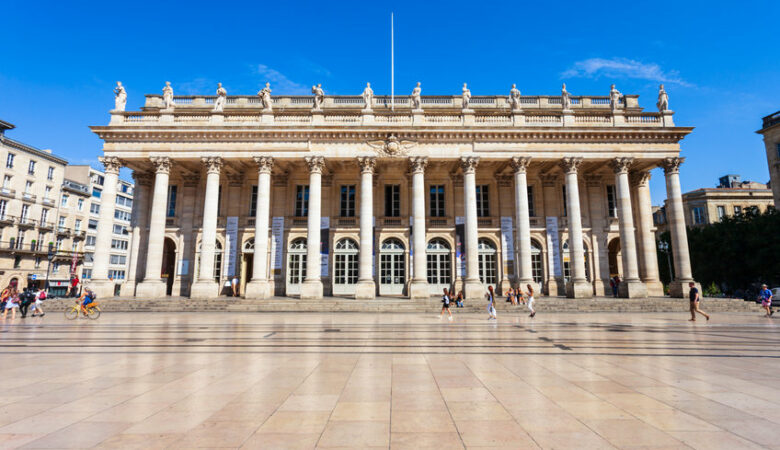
{"type": "Point", "coordinates": [49, 256]}
{"type": "Point", "coordinates": [664, 247]}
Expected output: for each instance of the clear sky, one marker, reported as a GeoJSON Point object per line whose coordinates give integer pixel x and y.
{"type": "Point", "coordinates": [720, 60]}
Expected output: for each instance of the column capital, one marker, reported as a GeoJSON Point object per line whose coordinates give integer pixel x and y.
{"type": "Point", "coordinates": [367, 164]}
{"type": "Point", "coordinates": [111, 164]}
{"type": "Point", "coordinates": [142, 178]}
{"type": "Point", "coordinates": [417, 164]}
{"type": "Point", "coordinates": [570, 164]}
{"type": "Point", "coordinates": [672, 165]}
{"type": "Point", "coordinates": [469, 164]}
{"type": "Point", "coordinates": [520, 163]}
{"type": "Point", "coordinates": [162, 164]}
{"type": "Point", "coordinates": [265, 164]}
{"type": "Point", "coordinates": [213, 164]}
{"type": "Point", "coordinates": [621, 165]}
{"type": "Point", "coordinates": [640, 178]}
{"type": "Point", "coordinates": [316, 163]}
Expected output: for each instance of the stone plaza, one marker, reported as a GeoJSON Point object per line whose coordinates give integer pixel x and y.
{"type": "Point", "coordinates": [367, 196]}
{"type": "Point", "coordinates": [323, 380]}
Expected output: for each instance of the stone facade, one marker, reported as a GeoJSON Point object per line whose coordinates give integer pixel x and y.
{"type": "Point", "coordinates": [354, 196]}
{"type": "Point", "coordinates": [771, 132]}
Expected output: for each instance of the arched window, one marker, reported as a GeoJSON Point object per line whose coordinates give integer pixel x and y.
{"type": "Point", "coordinates": [296, 268]}
{"type": "Point", "coordinates": [217, 259]}
{"type": "Point", "coordinates": [249, 246]}
{"type": "Point", "coordinates": [439, 264]}
{"type": "Point", "coordinates": [536, 261]}
{"type": "Point", "coordinates": [567, 258]}
{"type": "Point", "coordinates": [488, 267]}
{"type": "Point", "coordinates": [392, 267]}
{"type": "Point", "coordinates": [345, 267]}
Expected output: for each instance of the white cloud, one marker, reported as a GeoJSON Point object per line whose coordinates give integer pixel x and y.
{"type": "Point", "coordinates": [280, 84]}
{"type": "Point", "coordinates": [622, 68]}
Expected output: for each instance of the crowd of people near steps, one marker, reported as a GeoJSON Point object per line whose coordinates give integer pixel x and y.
{"type": "Point", "coordinates": [515, 296]}
{"type": "Point", "coordinates": [30, 299]}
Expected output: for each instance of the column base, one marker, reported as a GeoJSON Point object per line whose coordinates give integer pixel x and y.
{"type": "Point", "coordinates": [204, 289]}
{"type": "Point", "coordinates": [654, 288]}
{"type": "Point", "coordinates": [473, 290]}
{"type": "Point", "coordinates": [504, 286]}
{"type": "Point", "coordinates": [552, 287]}
{"type": "Point", "coordinates": [419, 289]}
{"type": "Point", "coordinates": [365, 290]}
{"type": "Point", "coordinates": [679, 288]}
{"type": "Point", "coordinates": [602, 288]}
{"type": "Point", "coordinates": [103, 288]}
{"type": "Point", "coordinates": [151, 289]}
{"type": "Point", "coordinates": [128, 288]}
{"type": "Point", "coordinates": [632, 289]}
{"type": "Point", "coordinates": [257, 290]}
{"type": "Point", "coordinates": [311, 289]}
{"type": "Point", "coordinates": [579, 289]}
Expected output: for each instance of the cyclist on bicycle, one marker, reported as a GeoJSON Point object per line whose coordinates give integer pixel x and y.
{"type": "Point", "coordinates": [87, 297]}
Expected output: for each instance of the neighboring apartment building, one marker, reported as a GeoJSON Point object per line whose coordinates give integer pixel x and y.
{"type": "Point", "coordinates": [29, 217]}
{"type": "Point", "coordinates": [731, 197]}
{"type": "Point", "coordinates": [771, 132]}
{"type": "Point", "coordinates": [120, 239]}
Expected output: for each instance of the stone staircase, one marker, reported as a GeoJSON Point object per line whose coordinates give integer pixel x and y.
{"type": "Point", "coordinates": [403, 305]}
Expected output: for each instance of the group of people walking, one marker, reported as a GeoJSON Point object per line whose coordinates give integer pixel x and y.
{"type": "Point", "coordinates": [30, 298]}
{"type": "Point", "coordinates": [514, 295]}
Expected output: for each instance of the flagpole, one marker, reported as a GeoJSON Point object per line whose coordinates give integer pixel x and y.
{"type": "Point", "coordinates": [392, 65]}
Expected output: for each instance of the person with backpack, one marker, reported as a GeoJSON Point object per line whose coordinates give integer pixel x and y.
{"type": "Point", "coordinates": [37, 306]}
{"type": "Point", "coordinates": [445, 304]}
{"type": "Point", "coordinates": [25, 300]}
{"type": "Point", "coordinates": [87, 297]}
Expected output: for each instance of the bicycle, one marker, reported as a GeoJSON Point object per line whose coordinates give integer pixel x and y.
{"type": "Point", "coordinates": [92, 311]}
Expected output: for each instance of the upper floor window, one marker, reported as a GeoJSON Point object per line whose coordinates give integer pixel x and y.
{"type": "Point", "coordinates": [94, 208]}
{"type": "Point", "coordinates": [77, 225]}
{"type": "Point", "coordinates": [124, 201]}
{"type": "Point", "coordinates": [437, 200]}
{"type": "Point", "coordinates": [31, 168]}
{"type": "Point", "coordinates": [698, 215]}
{"type": "Point", "coordinates": [531, 208]}
{"type": "Point", "coordinates": [611, 201]}
{"type": "Point", "coordinates": [392, 200]}
{"type": "Point", "coordinates": [50, 173]}
{"type": "Point", "coordinates": [97, 192]}
{"type": "Point", "coordinates": [6, 181]}
{"type": "Point", "coordinates": [47, 192]}
{"type": "Point", "coordinates": [172, 201]}
{"type": "Point", "coordinates": [483, 201]}
{"type": "Point", "coordinates": [64, 203]}
{"type": "Point", "coordinates": [253, 202]}
{"type": "Point", "coordinates": [92, 224]}
{"type": "Point", "coordinates": [122, 215]}
{"type": "Point", "coordinates": [80, 204]}
{"type": "Point", "coordinates": [721, 212]}
{"type": "Point", "coordinates": [301, 200]}
{"type": "Point", "coordinates": [28, 187]}
{"type": "Point", "coordinates": [347, 201]}
{"type": "Point", "coordinates": [9, 161]}
{"type": "Point", "coordinates": [737, 210]}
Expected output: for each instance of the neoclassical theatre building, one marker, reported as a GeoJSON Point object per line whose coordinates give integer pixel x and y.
{"type": "Point", "coordinates": [364, 196]}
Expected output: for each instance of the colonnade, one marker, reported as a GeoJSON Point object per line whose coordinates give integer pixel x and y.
{"type": "Point", "coordinates": [261, 284]}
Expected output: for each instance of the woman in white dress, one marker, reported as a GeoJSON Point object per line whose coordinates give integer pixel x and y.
{"type": "Point", "coordinates": [530, 295]}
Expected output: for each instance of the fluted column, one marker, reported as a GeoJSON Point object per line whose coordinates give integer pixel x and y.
{"type": "Point", "coordinates": [100, 282]}
{"type": "Point", "coordinates": [598, 241]}
{"type": "Point", "coordinates": [153, 286]}
{"type": "Point", "coordinates": [578, 286]}
{"type": "Point", "coordinates": [649, 256]}
{"type": "Point", "coordinates": [259, 286]}
{"type": "Point", "coordinates": [630, 286]}
{"type": "Point", "coordinates": [676, 218]}
{"type": "Point", "coordinates": [205, 286]}
{"type": "Point", "coordinates": [418, 287]}
{"type": "Point", "coordinates": [138, 224]}
{"type": "Point", "coordinates": [472, 286]}
{"type": "Point", "coordinates": [366, 288]}
{"type": "Point", "coordinates": [523, 240]}
{"type": "Point", "coordinates": [312, 284]}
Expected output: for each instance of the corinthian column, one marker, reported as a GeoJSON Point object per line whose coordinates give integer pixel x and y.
{"type": "Point", "coordinates": [366, 289]}
{"type": "Point", "coordinates": [578, 286]}
{"type": "Point", "coordinates": [676, 218]}
{"type": "Point", "coordinates": [153, 286]}
{"type": "Point", "coordinates": [260, 287]}
{"type": "Point", "coordinates": [206, 286]}
{"type": "Point", "coordinates": [630, 286]}
{"type": "Point", "coordinates": [472, 286]}
{"type": "Point", "coordinates": [139, 223]}
{"type": "Point", "coordinates": [312, 285]}
{"type": "Point", "coordinates": [100, 282]}
{"type": "Point", "coordinates": [648, 256]}
{"type": "Point", "coordinates": [418, 288]}
{"type": "Point", "coordinates": [524, 269]}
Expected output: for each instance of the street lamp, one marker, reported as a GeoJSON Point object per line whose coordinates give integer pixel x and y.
{"type": "Point", "coordinates": [664, 247]}
{"type": "Point", "coordinates": [49, 256]}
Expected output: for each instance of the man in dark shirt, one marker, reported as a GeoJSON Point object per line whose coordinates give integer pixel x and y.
{"type": "Point", "coordinates": [694, 296]}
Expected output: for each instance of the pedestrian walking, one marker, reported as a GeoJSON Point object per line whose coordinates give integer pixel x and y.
{"type": "Point", "coordinates": [614, 282]}
{"type": "Point", "coordinates": [530, 295]}
{"type": "Point", "coordinates": [766, 300]}
{"type": "Point", "coordinates": [491, 309]}
{"type": "Point", "coordinates": [694, 297]}
{"type": "Point", "coordinates": [25, 300]}
{"type": "Point", "coordinates": [74, 286]}
{"type": "Point", "coordinates": [445, 304]}
{"type": "Point", "coordinates": [12, 303]}
{"type": "Point", "coordinates": [37, 306]}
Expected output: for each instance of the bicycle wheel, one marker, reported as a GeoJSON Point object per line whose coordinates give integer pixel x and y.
{"type": "Point", "coordinates": [93, 313]}
{"type": "Point", "coordinates": [71, 313]}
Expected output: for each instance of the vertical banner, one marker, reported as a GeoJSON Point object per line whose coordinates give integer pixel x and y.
{"type": "Point", "coordinates": [277, 233]}
{"type": "Point", "coordinates": [324, 245]}
{"type": "Point", "coordinates": [508, 244]}
{"type": "Point", "coordinates": [460, 250]}
{"type": "Point", "coordinates": [373, 248]}
{"type": "Point", "coordinates": [553, 247]}
{"type": "Point", "coordinates": [411, 247]}
{"type": "Point", "coordinates": [74, 262]}
{"type": "Point", "coordinates": [231, 234]}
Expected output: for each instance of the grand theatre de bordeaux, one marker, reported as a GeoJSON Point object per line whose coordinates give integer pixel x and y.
{"type": "Point", "coordinates": [370, 196]}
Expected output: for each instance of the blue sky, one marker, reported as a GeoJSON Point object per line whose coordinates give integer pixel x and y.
{"type": "Point", "coordinates": [720, 60]}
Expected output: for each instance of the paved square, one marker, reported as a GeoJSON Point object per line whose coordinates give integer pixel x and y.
{"type": "Point", "coordinates": [295, 380]}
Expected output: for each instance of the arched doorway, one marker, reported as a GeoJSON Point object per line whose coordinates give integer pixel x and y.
{"type": "Point", "coordinates": [614, 257]}
{"type": "Point", "coordinates": [296, 266]}
{"type": "Point", "coordinates": [567, 261]}
{"type": "Point", "coordinates": [537, 270]}
{"type": "Point", "coordinates": [392, 267]}
{"type": "Point", "coordinates": [439, 266]}
{"type": "Point", "coordinates": [345, 267]}
{"type": "Point", "coordinates": [169, 264]}
{"type": "Point", "coordinates": [247, 263]}
{"type": "Point", "coordinates": [488, 266]}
